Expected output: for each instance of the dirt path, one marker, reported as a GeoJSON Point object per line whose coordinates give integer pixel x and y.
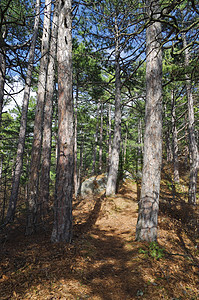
{"type": "Point", "coordinates": [104, 262]}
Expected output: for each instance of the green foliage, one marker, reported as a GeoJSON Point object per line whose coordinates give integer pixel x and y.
{"type": "Point", "coordinates": [153, 250]}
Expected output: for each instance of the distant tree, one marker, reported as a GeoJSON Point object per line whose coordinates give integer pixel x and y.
{"type": "Point", "coordinates": [174, 138]}
{"type": "Point", "coordinates": [15, 26]}
{"type": "Point", "coordinates": [114, 161]}
{"type": "Point", "coordinates": [22, 134]}
{"type": "Point", "coordinates": [88, 82]}
{"type": "Point", "coordinates": [2, 79]}
{"type": "Point", "coordinates": [193, 148]}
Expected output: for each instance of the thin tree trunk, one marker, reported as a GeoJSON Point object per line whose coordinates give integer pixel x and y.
{"type": "Point", "coordinates": [168, 143]}
{"type": "Point", "coordinates": [114, 163]}
{"type": "Point", "coordinates": [96, 141]}
{"type": "Point", "coordinates": [1, 169]}
{"type": "Point", "coordinates": [38, 125]}
{"type": "Point", "coordinates": [125, 145]}
{"type": "Point", "coordinates": [193, 149]}
{"type": "Point", "coordinates": [80, 164]}
{"type": "Point", "coordinates": [62, 228]}
{"type": "Point", "coordinates": [146, 229]}
{"type": "Point", "coordinates": [2, 79]}
{"type": "Point", "coordinates": [22, 132]}
{"type": "Point", "coordinates": [4, 195]}
{"type": "Point", "coordinates": [109, 137]}
{"type": "Point", "coordinates": [75, 141]}
{"type": "Point", "coordinates": [56, 126]}
{"type": "Point", "coordinates": [139, 151]}
{"type": "Point", "coordinates": [101, 138]}
{"type": "Point", "coordinates": [174, 140]}
{"type": "Point", "coordinates": [48, 114]}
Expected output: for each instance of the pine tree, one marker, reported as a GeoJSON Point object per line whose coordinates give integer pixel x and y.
{"type": "Point", "coordinates": [146, 229]}
{"type": "Point", "coordinates": [33, 201]}
{"type": "Point", "coordinates": [62, 228]}
{"type": "Point", "coordinates": [22, 133]}
{"type": "Point", "coordinates": [48, 114]}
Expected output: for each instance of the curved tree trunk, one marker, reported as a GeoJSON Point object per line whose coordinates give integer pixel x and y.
{"type": "Point", "coordinates": [146, 229]}
{"type": "Point", "coordinates": [38, 125]}
{"type": "Point", "coordinates": [62, 228]}
{"type": "Point", "coordinates": [22, 132]}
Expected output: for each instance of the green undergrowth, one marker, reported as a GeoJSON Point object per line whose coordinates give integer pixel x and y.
{"type": "Point", "coordinates": [153, 250]}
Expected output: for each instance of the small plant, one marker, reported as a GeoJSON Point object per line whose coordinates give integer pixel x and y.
{"type": "Point", "coordinates": [169, 185]}
{"type": "Point", "coordinates": [153, 250]}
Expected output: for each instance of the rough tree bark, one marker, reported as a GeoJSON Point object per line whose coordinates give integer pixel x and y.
{"type": "Point", "coordinates": [22, 131]}
{"type": "Point", "coordinates": [114, 162]}
{"type": "Point", "coordinates": [38, 125]}
{"type": "Point", "coordinates": [193, 149]}
{"type": "Point", "coordinates": [62, 228]}
{"type": "Point", "coordinates": [146, 229]}
{"type": "Point", "coordinates": [48, 111]}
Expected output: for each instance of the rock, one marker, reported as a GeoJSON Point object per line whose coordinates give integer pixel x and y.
{"type": "Point", "coordinates": [93, 185]}
{"type": "Point", "coordinates": [127, 175]}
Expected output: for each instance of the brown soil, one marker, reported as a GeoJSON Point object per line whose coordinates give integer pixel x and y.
{"type": "Point", "coordinates": [104, 262]}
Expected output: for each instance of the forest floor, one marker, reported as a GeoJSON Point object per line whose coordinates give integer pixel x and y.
{"type": "Point", "coordinates": [104, 262]}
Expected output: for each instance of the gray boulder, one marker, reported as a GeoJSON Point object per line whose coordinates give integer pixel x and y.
{"type": "Point", "coordinates": [94, 185]}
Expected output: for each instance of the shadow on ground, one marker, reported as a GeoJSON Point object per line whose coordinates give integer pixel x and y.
{"type": "Point", "coordinates": [103, 261]}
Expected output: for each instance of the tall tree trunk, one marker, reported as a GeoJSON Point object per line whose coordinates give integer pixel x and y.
{"type": "Point", "coordinates": [101, 138]}
{"type": "Point", "coordinates": [1, 168]}
{"type": "Point", "coordinates": [174, 140]}
{"type": "Point", "coordinates": [125, 145]}
{"type": "Point", "coordinates": [146, 229]}
{"type": "Point", "coordinates": [80, 164]}
{"type": "Point", "coordinates": [96, 141]}
{"type": "Point", "coordinates": [114, 163]}
{"type": "Point", "coordinates": [62, 228]}
{"type": "Point", "coordinates": [193, 149]}
{"type": "Point", "coordinates": [22, 132]}
{"type": "Point", "coordinates": [139, 150]}
{"type": "Point", "coordinates": [2, 79]}
{"type": "Point", "coordinates": [38, 125]}
{"type": "Point", "coordinates": [4, 194]}
{"type": "Point", "coordinates": [109, 137]}
{"type": "Point", "coordinates": [168, 143]}
{"type": "Point", "coordinates": [75, 139]}
{"type": "Point", "coordinates": [48, 112]}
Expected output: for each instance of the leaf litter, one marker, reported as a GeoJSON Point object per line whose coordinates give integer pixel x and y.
{"type": "Point", "coordinates": [104, 262]}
